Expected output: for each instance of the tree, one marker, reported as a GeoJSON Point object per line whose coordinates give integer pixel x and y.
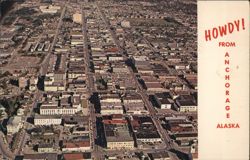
{"type": "Point", "coordinates": [11, 105]}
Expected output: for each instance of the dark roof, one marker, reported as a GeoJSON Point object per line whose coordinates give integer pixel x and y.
{"type": "Point", "coordinates": [186, 103]}
{"type": "Point", "coordinates": [186, 135]}
{"type": "Point", "coordinates": [148, 135]}
{"type": "Point", "coordinates": [159, 155]}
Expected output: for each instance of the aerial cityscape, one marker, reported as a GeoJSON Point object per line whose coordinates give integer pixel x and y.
{"type": "Point", "coordinates": [98, 79]}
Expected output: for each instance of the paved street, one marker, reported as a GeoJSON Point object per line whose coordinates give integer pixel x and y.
{"type": "Point", "coordinates": [4, 150]}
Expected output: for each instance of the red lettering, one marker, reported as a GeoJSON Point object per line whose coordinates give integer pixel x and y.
{"type": "Point", "coordinates": [243, 23]}
{"type": "Point", "coordinates": [227, 54]}
{"type": "Point", "coordinates": [227, 108]}
{"type": "Point", "coordinates": [227, 85]}
{"type": "Point", "coordinates": [218, 126]}
{"type": "Point", "coordinates": [215, 33]}
{"type": "Point", "coordinates": [207, 35]}
{"type": "Point", "coordinates": [223, 30]}
{"type": "Point", "coordinates": [237, 24]}
{"type": "Point", "coordinates": [230, 27]}
{"type": "Point", "coordinates": [237, 125]}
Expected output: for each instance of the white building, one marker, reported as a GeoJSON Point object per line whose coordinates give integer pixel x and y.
{"type": "Point", "coordinates": [14, 125]}
{"type": "Point", "coordinates": [115, 58]}
{"type": "Point", "coordinates": [127, 100]}
{"type": "Point", "coordinates": [50, 9]}
{"type": "Point", "coordinates": [51, 110]}
{"type": "Point", "coordinates": [110, 98]}
{"type": "Point", "coordinates": [150, 140]}
{"type": "Point", "coordinates": [47, 120]}
{"type": "Point", "coordinates": [108, 108]}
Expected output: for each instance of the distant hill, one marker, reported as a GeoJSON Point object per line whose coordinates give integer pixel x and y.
{"type": "Point", "coordinates": [5, 5]}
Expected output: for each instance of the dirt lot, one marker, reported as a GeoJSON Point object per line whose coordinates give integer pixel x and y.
{"type": "Point", "coordinates": [23, 62]}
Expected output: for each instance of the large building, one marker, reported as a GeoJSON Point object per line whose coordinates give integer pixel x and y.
{"type": "Point", "coordinates": [134, 104]}
{"type": "Point", "coordinates": [145, 130]}
{"type": "Point", "coordinates": [47, 120]}
{"type": "Point", "coordinates": [64, 105]}
{"type": "Point", "coordinates": [186, 103]}
{"type": "Point", "coordinates": [117, 134]}
{"type": "Point", "coordinates": [50, 83]}
{"type": "Point", "coordinates": [163, 100]}
{"type": "Point", "coordinates": [55, 110]}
